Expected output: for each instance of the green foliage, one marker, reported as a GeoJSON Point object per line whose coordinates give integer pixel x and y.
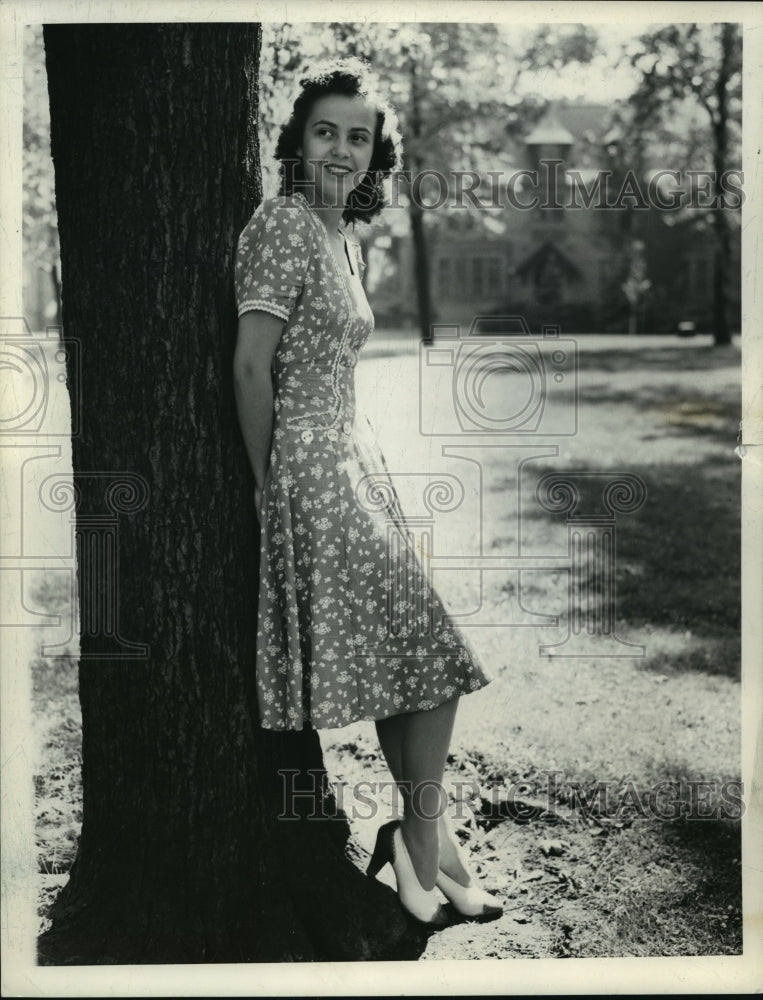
{"type": "Point", "coordinates": [554, 46]}
{"type": "Point", "coordinates": [40, 225]}
{"type": "Point", "coordinates": [458, 86]}
{"type": "Point", "coordinates": [685, 69]}
{"type": "Point", "coordinates": [40, 220]}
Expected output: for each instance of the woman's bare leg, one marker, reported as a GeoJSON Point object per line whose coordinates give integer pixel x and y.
{"type": "Point", "coordinates": [391, 733]}
{"type": "Point", "coordinates": [424, 737]}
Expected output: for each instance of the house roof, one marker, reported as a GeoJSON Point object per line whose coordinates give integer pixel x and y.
{"type": "Point", "coordinates": [569, 124]}
{"type": "Point", "coordinates": [550, 132]}
{"type": "Point", "coordinates": [547, 253]}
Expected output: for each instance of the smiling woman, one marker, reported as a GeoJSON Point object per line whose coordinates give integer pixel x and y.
{"type": "Point", "coordinates": [344, 106]}
{"type": "Point", "coordinates": [349, 626]}
{"type": "Point", "coordinates": [336, 150]}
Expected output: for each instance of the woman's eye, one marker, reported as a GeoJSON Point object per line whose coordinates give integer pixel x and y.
{"type": "Point", "coordinates": [359, 138]}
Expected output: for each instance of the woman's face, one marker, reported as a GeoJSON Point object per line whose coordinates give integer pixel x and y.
{"type": "Point", "coordinates": [336, 148]}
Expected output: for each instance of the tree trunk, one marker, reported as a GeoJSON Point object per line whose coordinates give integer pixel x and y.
{"type": "Point", "coordinates": [56, 282]}
{"type": "Point", "coordinates": [182, 857]}
{"type": "Point", "coordinates": [722, 249]}
{"type": "Point", "coordinates": [421, 272]}
{"type": "Point", "coordinates": [418, 231]}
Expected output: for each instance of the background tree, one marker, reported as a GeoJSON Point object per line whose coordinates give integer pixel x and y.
{"type": "Point", "coordinates": [182, 857]}
{"type": "Point", "coordinates": [696, 64]}
{"type": "Point", "coordinates": [40, 224]}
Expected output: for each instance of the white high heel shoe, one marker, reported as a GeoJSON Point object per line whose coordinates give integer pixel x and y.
{"type": "Point", "coordinates": [469, 900]}
{"type": "Point", "coordinates": [390, 848]}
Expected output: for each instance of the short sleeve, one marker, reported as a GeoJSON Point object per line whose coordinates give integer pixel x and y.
{"type": "Point", "coordinates": [272, 259]}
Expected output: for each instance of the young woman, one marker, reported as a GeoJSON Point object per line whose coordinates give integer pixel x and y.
{"type": "Point", "coordinates": [349, 626]}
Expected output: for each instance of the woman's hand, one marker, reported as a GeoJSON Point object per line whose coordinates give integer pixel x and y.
{"type": "Point", "coordinates": [259, 496]}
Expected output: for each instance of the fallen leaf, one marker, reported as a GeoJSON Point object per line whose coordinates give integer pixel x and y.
{"type": "Point", "coordinates": [531, 876]}
{"type": "Point", "coordinates": [552, 847]}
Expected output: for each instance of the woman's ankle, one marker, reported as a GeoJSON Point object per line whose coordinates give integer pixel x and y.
{"type": "Point", "coordinates": [422, 843]}
{"type": "Point", "coordinates": [452, 857]}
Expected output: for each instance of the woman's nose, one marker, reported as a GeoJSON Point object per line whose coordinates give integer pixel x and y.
{"type": "Point", "coordinates": [340, 147]}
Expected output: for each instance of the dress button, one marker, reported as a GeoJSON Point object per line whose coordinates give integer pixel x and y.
{"type": "Point", "coordinates": [331, 434]}
{"type": "Point", "coordinates": [307, 437]}
{"type": "Point", "coordinates": [347, 426]}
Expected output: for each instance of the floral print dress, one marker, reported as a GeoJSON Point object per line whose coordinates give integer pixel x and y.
{"type": "Point", "coordinates": [348, 624]}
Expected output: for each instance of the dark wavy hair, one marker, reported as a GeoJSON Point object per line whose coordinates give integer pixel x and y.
{"type": "Point", "coordinates": [350, 78]}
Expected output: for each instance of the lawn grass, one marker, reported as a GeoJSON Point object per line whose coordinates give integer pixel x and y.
{"type": "Point", "coordinates": [57, 781]}
{"type": "Point", "coordinates": [623, 883]}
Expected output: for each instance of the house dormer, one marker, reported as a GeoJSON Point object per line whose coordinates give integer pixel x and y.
{"type": "Point", "coordinates": [549, 140]}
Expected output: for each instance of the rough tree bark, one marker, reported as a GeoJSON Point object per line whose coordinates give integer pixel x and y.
{"type": "Point", "coordinates": [182, 857]}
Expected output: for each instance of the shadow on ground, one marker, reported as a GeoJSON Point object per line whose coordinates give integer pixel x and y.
{"type": "Point", "coordinates": [677, 559]}
{"type": "Point", "coordinates": [658, 358]}
{"type": "Point", "coordinates": [673, 411]}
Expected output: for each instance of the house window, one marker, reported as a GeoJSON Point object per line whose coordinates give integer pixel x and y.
{"type": "Point", "coordinates": [477, 268]}
{"type": "Point", "coordinates": [494, 287]}
{"type": "Point", "coordinates": [477, 277]}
